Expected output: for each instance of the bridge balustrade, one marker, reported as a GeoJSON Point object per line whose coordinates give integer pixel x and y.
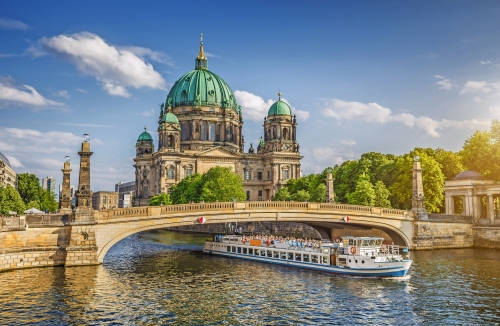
{"type": "Point", "coordinates": [196, 207]}
{"type": "Point", "coordinates": [276, 204]}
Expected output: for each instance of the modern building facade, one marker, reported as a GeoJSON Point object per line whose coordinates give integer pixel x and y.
{"type": "Point", "coordinates": [200, 127]}
{"type": "Point", "coordinates": [7, 175]}
{"type": "Point", "coordinates": [49, 183]}
{"type": "Point", "coordinates": [126, 191]}
{"type": "Point", "coordinates": [104, 200]}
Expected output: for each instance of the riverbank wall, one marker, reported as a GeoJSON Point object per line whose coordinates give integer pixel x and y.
{"type": "Point", "coordinates": [45, 240]}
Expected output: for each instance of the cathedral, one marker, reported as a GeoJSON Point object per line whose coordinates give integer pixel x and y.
{"type": "Point", "coordinates": [200, 126]}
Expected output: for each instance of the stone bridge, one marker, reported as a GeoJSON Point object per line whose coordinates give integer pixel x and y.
{"type": "Point", "coordinates": [114, 225]}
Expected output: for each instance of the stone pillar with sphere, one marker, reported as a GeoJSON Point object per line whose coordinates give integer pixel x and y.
{"type": "Point", "coordinates": [84, 211]}
{"type": "Point", "coordinates": [417, 198]}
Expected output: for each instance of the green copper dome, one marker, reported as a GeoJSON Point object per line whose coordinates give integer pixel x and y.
{"type": "Point", "coordinates": [279, 108]}
{"type": "Point", "coordinates": [202, 87]}
{"type": "Point", "coordinates": [145, 136]}
{"type": "Point", "coordinates": [169, 117]}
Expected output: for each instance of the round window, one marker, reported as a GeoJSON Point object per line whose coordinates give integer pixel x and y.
{"type": "Point", "coordinates": [211, 92]}
{"type": "Point", "coordinates": [362, 262]}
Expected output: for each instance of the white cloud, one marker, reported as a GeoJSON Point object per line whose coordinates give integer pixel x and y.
{"type": "Point", "coordinates": [152, 55]}
{"type": "Point", "coordinates": [11, 24]}
{"type": "Point", "coordinates": [211, 55]}
{"type": "Point", "coordinates": [25, 95]}
{"type": "Point", "coordinates": [148, 113]}
{"type": "Point", "coordinates": [349, 142]}
{"type": "Point", "coordinates": [374, 113]}
{"type": "Point", "coordinates": [485, 62]}
{"type": "Point", "coordinates": [14, 162]}
{"type": "Point", "coordinates": [495, 111]}
{"type": "Point", "coordinates": [477, 99]}
{"type": "Point", "coordinates": [64, 94]}
{"type": "Point", "coordinates": [86, 125]}
{"type": "Point", "coordinates": [445, 83]}
{"type": "Point", "coordinates": [479, 86]}
{"type": "Point", "coordinates": [82, 91]}
{"type": "Point", "coordinates": [113, 67]}
{"type": "Point", "coordinates": [255, 108]}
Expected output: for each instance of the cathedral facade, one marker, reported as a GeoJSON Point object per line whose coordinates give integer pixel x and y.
{"type": "Point", "coordinates": [200, 127]}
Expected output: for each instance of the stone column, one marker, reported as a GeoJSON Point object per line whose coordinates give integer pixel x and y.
{"type": "Point", "coordinates": [491, 209]}
{"type": "Point", "coordinates": [330, 195]}
{"type": "Point", "coordinates": [84, 212]}
{"type": "Point", "coordinates": [417, 198]}
{"type": "Point", "coordinates": [477, 207]}
{"type": "Point", "coordinates": [65, 199]}
{"type": "Point", "coordinates": [449, 204]}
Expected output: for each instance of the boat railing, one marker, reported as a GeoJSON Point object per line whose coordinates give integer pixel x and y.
{"type": "Point", "coordinates": [388, 250]}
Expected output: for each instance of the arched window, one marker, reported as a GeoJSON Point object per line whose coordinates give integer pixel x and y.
{"type": "Point", "coordinates": [286, 174]}
{"type": "Point", "coordinates": [170, 173]}
{"type": "Point", "coordinates": [171, 141]}
{"type": "Point", "coordinates": [285, 133]}
{"type": "Point", "coordinates": [247, 174]}
{"type": "Point", "coordinates": [248, 195]}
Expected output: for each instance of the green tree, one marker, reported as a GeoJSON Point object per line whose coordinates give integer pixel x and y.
{"type": "Point", "coordinates": [451, 163]}
{"type": "Point", "coordinates": [47, 201]}
{"type": "Point", "coordinates": [10, 200]}
{"type": "Point", "coordinates": [28, 186]}
{"type": "Point", "coordinates": [300, 195]}
{"type": "Point", "coordinates": [433, 180]}
{"type": "Point", "coordinates": [318, 195]}
{"type": "Point", "coordinates": [364, 193]}
{"type": "Point", "coordinates": [161, 199]}
{"type": "Point", "coordinates": [188, 190]}
{"type": "Point", "coordinates": [477, 153]}
{"type": "Point", "coordinates": [282, 195]}
{"type": "Point", "coordinates": [382, 195]}
{"type": "Point", "coordinates": [221, 184]}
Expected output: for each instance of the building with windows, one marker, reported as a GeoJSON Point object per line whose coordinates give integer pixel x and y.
{"type": "Point", "coordinates": [104, 200]}
{"type": "Point", "coordinates": [200, 126]}
{"type": "Point", "coordinates": [7, 175]}
{"type": "Point", "coordinates": [49, 183]}
{"type": "Point", "coordinates": [126, 192]}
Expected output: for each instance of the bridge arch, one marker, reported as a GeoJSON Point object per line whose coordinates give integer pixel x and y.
{"type": "Point", "coordinates": [115, 225]}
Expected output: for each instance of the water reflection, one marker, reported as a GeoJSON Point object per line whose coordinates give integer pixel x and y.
{"type": "Point", "coordinates": [163, 278]}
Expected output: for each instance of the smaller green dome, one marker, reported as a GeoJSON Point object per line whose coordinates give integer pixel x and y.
{"type": "Point", "coordinates": [169, 117]}
{"type": "Point", "coordinates": [145, 136]}
{"type": "Point", "coordinates": [279, 108]}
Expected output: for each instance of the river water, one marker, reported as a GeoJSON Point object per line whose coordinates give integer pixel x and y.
{"type": "Point", "coordinates": [163, 278]}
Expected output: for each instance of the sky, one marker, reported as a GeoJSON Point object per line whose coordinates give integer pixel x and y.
{"type": "Point", "coordinates": [361, 76]}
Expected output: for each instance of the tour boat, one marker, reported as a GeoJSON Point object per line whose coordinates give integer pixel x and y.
{"type": "Point", "coordinates": [356, 256]}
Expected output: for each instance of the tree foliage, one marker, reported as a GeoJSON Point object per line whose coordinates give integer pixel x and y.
{"type": "Point", "coordinates": [33, 195]}
{"type": "Point", "coordinates": [364, 193]}
{"type": "Point", "coordinates": [217, 184]}
{"type": "Point", "coordinates": [10, 200]}
{"type": "Point", "coordinates": [381, 195]}
{"type": "Point", "coordinates": [161, 199]}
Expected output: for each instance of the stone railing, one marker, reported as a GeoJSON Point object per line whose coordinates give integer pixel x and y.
{"type": "Point", "coordinates": [247, 206]}
{"type": "Point", "coordinates": [450, 218]}
{"type": "Point", "coordinates": [38, 220]}
{"type": "Point", "coordinates": [11, 223]}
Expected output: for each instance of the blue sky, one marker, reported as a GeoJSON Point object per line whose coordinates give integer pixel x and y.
{"type": "Point", "coordinates": [360, 75]}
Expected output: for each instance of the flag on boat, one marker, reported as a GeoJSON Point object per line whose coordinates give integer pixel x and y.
{"type": "Point", "coordinates": [202, 220]}
{"type": "Point", "coordinates": [346, 218]}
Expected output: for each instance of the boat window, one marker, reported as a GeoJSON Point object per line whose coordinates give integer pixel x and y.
{"type": "Point", "coordinates": [228, 249]}
{"type": "Point", "coordinates": [290, 255]}
{"type": "Point", "coordinates": [257, 252]}
{"type": "Point", "coordinates": [282, 255]}
{"type": "Point", "coordinates": [379, 243]}
{"type": "Point", "coordinates": [263, 253]}
{"type": "Point", "coordinates": [305, 257]}
{"type": "Point", "coordinates": [298, 257]}
{"type": "Point", "coordinates": [325, 259]}
{"type": "Point", "coordinates": [250, 251]}
{"type": "Point", "coordinates": [325, 251]}
{"type": "Point", "coordinates": [276, 254]}
{"type": "Point", "coordinates": [365, 243]}
{"type": "Point", "coordinates": [333, 250]}
{"type": "Point", "coordinates": [245, 251]}
{"type": "Point", "coordinates": [269, 254]}
{"type": "Point", "coordinates": [345, 242]}
{"type": "Point", "coordinates": [373, 243]}
{"type": "Point", "coordinates": [239, 250]}
{"type": "Point", "coordinates": [234, 249]}
{"type": "Point", "coordinates": [314, 258]}
{"type": "Point", "coordinates": [358, 242]}
{"type": "Point", "coordinates": [351, 242]}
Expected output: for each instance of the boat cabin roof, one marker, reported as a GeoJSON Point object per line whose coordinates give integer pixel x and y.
{"type": "Point", "coordinates": [363, 238]}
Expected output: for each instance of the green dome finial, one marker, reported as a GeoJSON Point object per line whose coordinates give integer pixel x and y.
{"type": "Point", "coordinates": [169, 117]}
{"type": "Point", "coordinates": [145, 136]}
{"type": "Point", "coordinates": [279, 107]}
